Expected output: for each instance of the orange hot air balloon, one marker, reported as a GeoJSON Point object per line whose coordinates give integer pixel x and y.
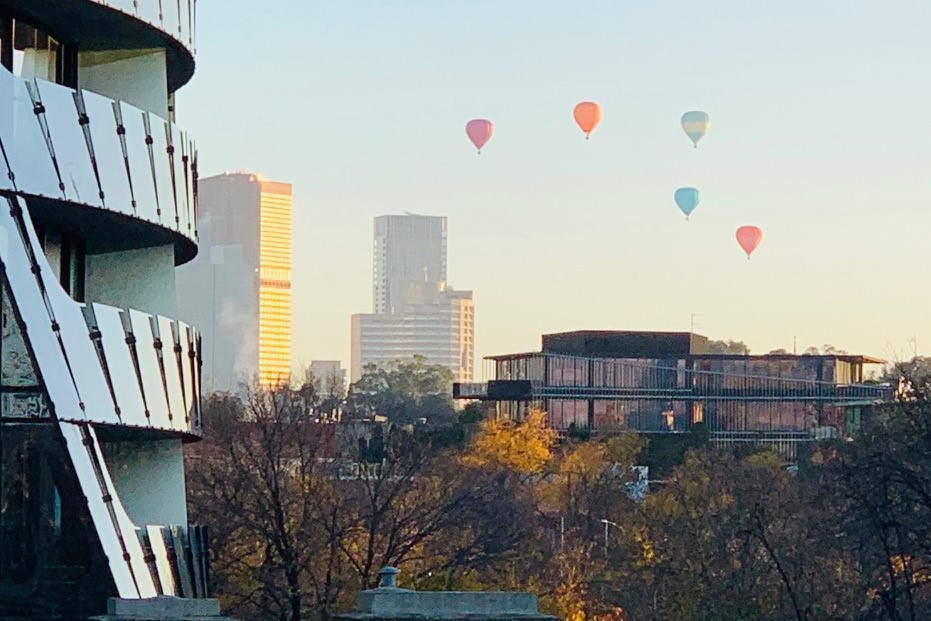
{"type": "Point", "coordinates": [749, 237]}
{"type": "Point", "coordinates": [587, 114]}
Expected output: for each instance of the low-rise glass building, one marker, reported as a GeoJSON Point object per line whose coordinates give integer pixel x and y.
{"type": "Point", "coordinates": [664, 382]}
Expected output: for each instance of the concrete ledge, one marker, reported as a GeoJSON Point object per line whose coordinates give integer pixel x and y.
{"type": "Point", "coordinates": [396, 604]}
{"type": "Point", "coordinates": [446, 603]}
{"type": "Point", "coordinates": [162, 608]}
{"type": "Point", "coordinates": [389, 603]}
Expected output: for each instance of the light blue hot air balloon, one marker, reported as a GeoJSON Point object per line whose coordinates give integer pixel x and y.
{"type": "Point", "coordinates": [696, 124]}
{"type": "Point", "coordinates": [687, 199]}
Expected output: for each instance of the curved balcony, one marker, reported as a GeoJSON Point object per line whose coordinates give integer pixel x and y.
{"type": "Point", "coordinates": [122, 24]}
{"type": "Point", "coordinates": [97, 364]}
{"type": "Point", "coordinates": [129, 175]}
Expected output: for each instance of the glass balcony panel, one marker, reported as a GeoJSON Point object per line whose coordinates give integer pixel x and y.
{"type": "Point", "coordinates": [24, 141]}
{"type": "Point", "coordinates": [164, 191]}
{"type": "Point", "coordinates": [108, 152]}
{"type": "Point", "coordinates": [109, 322]}
{"type": "Point", "coordinates": [140, 167]}
{"type": "Point", "coordinates": [172, 374]}
{"type": "Point", "coordinates": [67, 136]}
{"type": "Point", "coordinates": [155, 397]}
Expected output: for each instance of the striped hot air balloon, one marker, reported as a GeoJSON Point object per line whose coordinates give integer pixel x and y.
{"type": "Point", "coordinates": [696, 124]}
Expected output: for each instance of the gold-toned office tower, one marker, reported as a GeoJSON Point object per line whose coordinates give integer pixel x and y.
{"type": "Point", "coordinates": [239, 286]}
{"type": "Point", "coordinates": [274, 282]}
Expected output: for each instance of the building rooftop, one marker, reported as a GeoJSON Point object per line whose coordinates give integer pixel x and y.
{"type": "Point", "coordinates": [646, 344]}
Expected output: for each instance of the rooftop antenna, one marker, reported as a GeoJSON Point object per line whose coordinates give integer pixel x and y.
{"type": "Point", "coordinates": [693, 323]}
{"type": "Point", "coordinates": [794, 343]}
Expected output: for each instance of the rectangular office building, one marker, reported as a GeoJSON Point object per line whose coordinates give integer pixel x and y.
{"type": "Point", "coordinates": [239, 286]}
{"type": "Point", "coordinates": [441, 331]}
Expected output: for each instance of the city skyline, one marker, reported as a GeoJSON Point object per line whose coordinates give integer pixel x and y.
{"type": "Point", "coordinates": [592, 224]}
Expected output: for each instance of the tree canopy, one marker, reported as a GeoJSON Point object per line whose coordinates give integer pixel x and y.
{"type": "Point", "coordinates": [723, 533]}
{"type": "Point", "coordinates": [405, 391]}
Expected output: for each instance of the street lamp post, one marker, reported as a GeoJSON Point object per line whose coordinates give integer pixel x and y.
{"type": "Point", "coordinates": [607, 523]}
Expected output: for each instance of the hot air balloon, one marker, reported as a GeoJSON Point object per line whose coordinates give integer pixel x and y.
{"type": "Point", "coordinates": [687, 199]}
{"type": "Point", "coordinates": [749, 237]}
{"type": "Point", "coordinates": [587, 114]}
{"type": "Point", "coordinates": [696, 124]}
{"type": "Point", "coordinates": [479, 132]}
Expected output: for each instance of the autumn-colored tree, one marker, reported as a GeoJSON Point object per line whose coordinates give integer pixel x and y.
{"type": "Point", "coordinates": [879, 490]}
{"type": "Point", "coordinates": [301, 528]}
{"type": "Point", "coordinates": [728, 534]}
{"type": "Point", "coordinates": [522, 447]}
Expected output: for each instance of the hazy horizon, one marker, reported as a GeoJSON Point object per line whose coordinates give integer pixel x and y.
{"type": "Point", "coordinates": [819, 135]}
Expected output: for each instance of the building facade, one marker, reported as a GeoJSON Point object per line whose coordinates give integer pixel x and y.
{"type": "Point", "coordinates": [238, 289]}
{"type": "Point", "coordinates": [416, 313]}
{"type": "Point", "coordinates": [100, 383]}
{"type": "Point", "coordinates": [668, 383]}
{"type": "Point", "coordinates": [442, 331]}
{"type": "Point", "coordinates": [327, 372]}
{"type": "Point", "coordinates": [409, 261]}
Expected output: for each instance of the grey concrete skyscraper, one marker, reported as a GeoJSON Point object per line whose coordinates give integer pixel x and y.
{"type": "Point", "coordinates": [415, 310]}
{"type": "Point", "coordinates": [410, 260]}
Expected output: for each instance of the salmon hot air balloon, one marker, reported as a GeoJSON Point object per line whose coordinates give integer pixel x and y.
{"type": "Point", "coordinates": [687, 199]}
{"type": "Point", "coordinates": [587, 114]}
{"type": "Point", "coordinates": [696, 124]}
{"type": "Point", "coordinates": [479, 132]}
{"type": "Point", "coordinates": [749, 237]}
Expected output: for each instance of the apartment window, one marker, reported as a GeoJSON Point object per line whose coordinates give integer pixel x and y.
{"type": "Point", "coordinates": [66, 256]}
{"type": "Point", "coordinates": [31, 52]}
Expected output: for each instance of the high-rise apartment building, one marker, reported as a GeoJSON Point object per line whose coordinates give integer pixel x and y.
{"type": "Point", "coordinates": [99, 380]}
{"type": "Point", "coordinates": [239, 286]}
{"type": "Point", "coordinates": [416, 312]}
{"type": "Point", "coordinates": [409, 262]}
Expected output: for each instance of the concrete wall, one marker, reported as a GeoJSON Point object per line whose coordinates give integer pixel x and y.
{"type": "Point", "coordinates": [142, 279]}
{"type": "Point", "coordinates": [149, 477]}
{"type": "Point", "coordinates": [138, 77]}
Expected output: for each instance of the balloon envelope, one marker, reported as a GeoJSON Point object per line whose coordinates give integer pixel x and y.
{"type": "Point", "coordinates": [749, 237]}
{"type": "Point", "coordinates": [479, 132]}
{"type": "Point", "coordinates": [696, 124]}
{"type": "Point", "coordinates": [587, 114]}
{"type": "Point", "coordinates": [687, 199]}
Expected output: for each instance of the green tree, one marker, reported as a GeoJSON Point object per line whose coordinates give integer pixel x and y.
{"type": "Point", "coordinates": [824, 350]}
{"type": "Point", "coordinates": [406, 392]}
{"type": "Point", "coordinates": [728, 347]}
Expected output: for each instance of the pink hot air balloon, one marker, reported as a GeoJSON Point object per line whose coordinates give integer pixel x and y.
{"type": "Point", "coordinates": [749, 237]}
{"type": "Point", "coordinates": [479, 132]}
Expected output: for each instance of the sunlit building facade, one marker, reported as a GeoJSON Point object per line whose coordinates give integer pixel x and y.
{"type": "Point", "coordinates": [239, 287]}
{"type": "Point", "coordinates": [668, 383]}
{"type": "Point", "coordinates": [100, 382]}
{"type": "Point", "coordinates": [274, 282]}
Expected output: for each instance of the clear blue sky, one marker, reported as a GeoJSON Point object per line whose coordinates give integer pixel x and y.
{"type": "Point", "coordinates": [821, 135]}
